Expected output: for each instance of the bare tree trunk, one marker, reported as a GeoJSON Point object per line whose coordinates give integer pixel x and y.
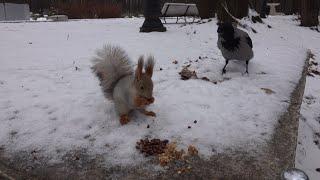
{"type": "Point", "coordinates": [238, 9]}
{"type": "Point", "coordinates": [290, 6]}
{"type": "Point", "coordinates": [286, 6]}
{"type": "Point", "coordinates": [309, 12]}
{"type": "Point", "coordinates": [206, 8]}
{"type": "Point", "coordinates": [256, 5]}
{"type": "Point", "coordinates": [296, 6]}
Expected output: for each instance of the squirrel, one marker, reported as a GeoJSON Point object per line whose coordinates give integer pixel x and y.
{"type": "Point", "coordinates": [128, 89]}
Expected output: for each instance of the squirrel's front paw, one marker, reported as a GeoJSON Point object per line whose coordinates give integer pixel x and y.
{"type": "Point", "coordinates": [141, 101]}
{"type": "Point", "coordinates": [124, 119]}
{"type": "Point", "coordinates": [150, 113]}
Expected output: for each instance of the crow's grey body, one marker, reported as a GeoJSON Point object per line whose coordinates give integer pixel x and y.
{"type": "Point", "coordinates": [242, 53]}
{"type": "Point", "coordinates": [234, 44]}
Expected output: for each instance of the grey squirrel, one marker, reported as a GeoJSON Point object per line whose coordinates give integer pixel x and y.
{"type": "Point", "coordinates": [128, 89]}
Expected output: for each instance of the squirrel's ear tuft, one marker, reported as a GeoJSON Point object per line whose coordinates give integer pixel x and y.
{"type": "Point", "coordinates": [149, 66]}
{"type": "Point", "coordinates": [138, 74]}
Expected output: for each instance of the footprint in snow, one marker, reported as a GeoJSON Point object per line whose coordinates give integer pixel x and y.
{"type": "Point", "coordinates": [35, 96]}
{"type": "Point", "coordinates": [41, 106]}
{"type": "Point", "coordinates": [316, 141]}
{"type": "Point", "coordinates": [11, 118]}
{"type": "Point", "coordinates": [53, 131]}
{"type": "Point", "coordinates": [52, 110]}
{"type": "Point", "coordinates": [204, 106]}
{"type": "Point", "coordinates": [318, 119]}
{"type": "Point", "coordinates": [309, 99]}
{"type": "Point", "coordinates": [13, 134]}
{"type": "Point", "coordinates": [53, 118]}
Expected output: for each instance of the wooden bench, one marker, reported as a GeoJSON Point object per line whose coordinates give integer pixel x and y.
{"type": "Point", "coordinates": [179, 10]}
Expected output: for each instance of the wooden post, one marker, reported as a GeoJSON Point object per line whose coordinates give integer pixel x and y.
{"type": "Point", "coordinates": [206, 8]}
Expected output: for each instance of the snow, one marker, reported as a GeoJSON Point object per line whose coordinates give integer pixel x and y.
{"type": "Point", "coordinates": [294, 174]}
{"type": "Point", "coordinates": [308, 152]}
{"type": "Point", "coordinates": [49, 106]}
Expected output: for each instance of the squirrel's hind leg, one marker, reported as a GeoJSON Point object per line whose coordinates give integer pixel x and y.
{"type": "Point", "coordinates": [123, 110]}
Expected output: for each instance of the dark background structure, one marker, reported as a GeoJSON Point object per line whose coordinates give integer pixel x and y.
{"type": "Point", "coordinates": [307, 9]}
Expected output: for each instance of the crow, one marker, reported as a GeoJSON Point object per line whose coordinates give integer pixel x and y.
{"type": "Point", "coordinates": [234, 44]}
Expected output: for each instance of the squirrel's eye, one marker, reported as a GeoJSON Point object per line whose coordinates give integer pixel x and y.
{"type": "Point", "coordinates": [141, 88]}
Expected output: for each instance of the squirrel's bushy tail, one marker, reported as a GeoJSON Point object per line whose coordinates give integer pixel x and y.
{"type": "Point", "coordinates": [110, 65]}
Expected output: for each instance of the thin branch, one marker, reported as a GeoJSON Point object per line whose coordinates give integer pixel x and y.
{"type": "Point", "coordinates": [224, 5]}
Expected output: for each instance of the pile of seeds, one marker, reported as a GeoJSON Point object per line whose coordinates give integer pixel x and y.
{"type": "Point", "coordinates": [151, 147]}
{"type": "Point", "coordinates": [170, 154]}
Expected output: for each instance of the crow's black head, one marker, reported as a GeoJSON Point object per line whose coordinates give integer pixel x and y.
{"type": "Point", "coordinates": [225, 29]}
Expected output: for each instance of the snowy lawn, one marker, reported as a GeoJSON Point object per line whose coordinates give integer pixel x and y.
{"type": "Point", "coordinates": [51, 103]}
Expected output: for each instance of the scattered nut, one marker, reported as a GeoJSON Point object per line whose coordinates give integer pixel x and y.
{"type": "Point", "coordinates": [192, 151]}
{"type": "Point", "coordinates": [175, 62]}
{"type": "Point", "coordinates": [267, 91]}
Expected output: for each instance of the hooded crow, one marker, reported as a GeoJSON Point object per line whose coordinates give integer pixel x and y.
{"type": "Point", "coordinates": [234, 44]}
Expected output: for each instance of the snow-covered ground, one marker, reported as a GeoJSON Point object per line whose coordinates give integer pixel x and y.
{"type": "Point", "coordinates": [51, 103]}
{"type": "Point", "coordinates": [308, 150]}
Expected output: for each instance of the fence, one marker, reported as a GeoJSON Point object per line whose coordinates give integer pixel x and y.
{"type": "Point", "coordinates": [129, 7]}
{"type": "Point", "coordinates": [134, 7]}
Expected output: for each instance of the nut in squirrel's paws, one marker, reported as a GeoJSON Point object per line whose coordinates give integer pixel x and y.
{"type": "Point", "coordinates": [124, 119]}
{"type": "Point", "coordinates": [142, 101]}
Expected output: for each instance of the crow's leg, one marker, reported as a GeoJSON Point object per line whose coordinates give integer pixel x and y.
{"type": "Point", "coordinates": [247, 64]}
{"type": "Point", "coordinates": [224, 68]}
